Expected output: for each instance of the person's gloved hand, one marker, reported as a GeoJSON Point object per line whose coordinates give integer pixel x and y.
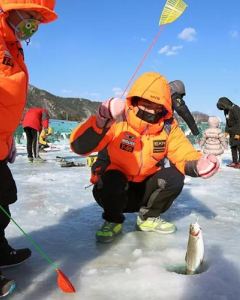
{"type": "Point", "coordinates": [207, 165]}
{"type": "Point", "coordinates": [109, 111]}
{"type": "Point", "coordinates": [237, 137]}
{"type": "Point", "coordinates": [12, 153]}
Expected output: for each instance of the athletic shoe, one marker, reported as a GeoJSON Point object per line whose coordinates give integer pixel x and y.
{"type": "Point", "coordinates": [108, 232]}
{"type": "Point", "coordinates": [30, 159]}
{"type": "Point", "coordinates": [155, 224]}
{"type": "Point", "coordinates": [11, 257]}
{"type": "Point", "coordinates": [6, 286]}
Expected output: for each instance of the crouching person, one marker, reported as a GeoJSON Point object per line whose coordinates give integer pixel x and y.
{"type": "Point", "coordinates": [133, 137]}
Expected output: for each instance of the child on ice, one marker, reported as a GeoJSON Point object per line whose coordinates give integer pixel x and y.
{"type": "Point", "coordinates": [213, 141]}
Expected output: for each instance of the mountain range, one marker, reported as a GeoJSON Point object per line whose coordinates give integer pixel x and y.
{"type": "Point", "coordinates": [74, 109]}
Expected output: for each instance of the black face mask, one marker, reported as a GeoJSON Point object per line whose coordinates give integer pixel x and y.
{"type": "Point", "coordinates": [149, 117]}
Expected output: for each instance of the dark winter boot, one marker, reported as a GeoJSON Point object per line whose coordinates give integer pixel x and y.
{"type": "Point", "coordinates": [10, 257]}
{"type": "Point", "coordinates": [232, 165]}
{"type": "Point", "coordinates": [6, 286]}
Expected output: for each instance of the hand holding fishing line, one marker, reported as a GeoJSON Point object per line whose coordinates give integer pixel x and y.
{"type": "Point", "coordinates": [109, 111]}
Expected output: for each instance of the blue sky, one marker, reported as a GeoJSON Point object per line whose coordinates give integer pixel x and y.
{"type": "Point", "coordinates": [94, 48]}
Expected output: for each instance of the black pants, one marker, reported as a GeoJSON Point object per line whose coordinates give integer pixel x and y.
{"type": "Point", "coordinates": [150, 198]}
{"type": "Point", "coordinates": [32, 142]}
{"type": "Point", "coordinates": [8, 195]}
{"type": "Point", "coordinates": [235, 153]}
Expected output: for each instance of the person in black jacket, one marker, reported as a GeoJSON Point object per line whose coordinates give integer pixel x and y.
{"type": "Point", "coordinates": [232, 114]}
{"type": "Point", "coordinates": [178, 104]}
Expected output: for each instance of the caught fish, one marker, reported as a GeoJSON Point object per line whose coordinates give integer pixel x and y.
{"type": "Point", "coordinates": [195, 249]}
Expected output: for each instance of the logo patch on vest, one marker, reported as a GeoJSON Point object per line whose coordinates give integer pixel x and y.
{"type": "Point", "coordinates": [128, 142]}
{"type": "Point", "coordinates": [159, 146]}
{"type": "Point", "coordinates": [7, 59]}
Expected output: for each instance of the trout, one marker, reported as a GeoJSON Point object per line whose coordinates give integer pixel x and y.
{"type": "Point", "coordinates": [195, 249]}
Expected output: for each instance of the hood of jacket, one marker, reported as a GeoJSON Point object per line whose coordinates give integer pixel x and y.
{"type": "Point", "coordinates": [177, 87]}
{"type": "Point", "coordinates": [44, 7]}
{"type": "Point", "coordinates": [213, 122]}
{"type": "Point", "coordinates": [153, 87]}
{"type": "Point", "coordinates": [224, 103]}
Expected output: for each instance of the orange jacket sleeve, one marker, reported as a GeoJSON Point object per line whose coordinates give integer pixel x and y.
{"type": "Point", "coordinates": [88, 138]}
{"type": "Point", "coordinates": [180, 150]}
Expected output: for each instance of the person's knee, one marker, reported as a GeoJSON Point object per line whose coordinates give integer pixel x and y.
{"type": "Point", "coordinates": [115, 181]}
{"type": "Point", "coordinates": [112, 184]}
{"type": "Point", "coordinates": [178, 183]}
{"type": "Point", "coordinates": [172, 179]}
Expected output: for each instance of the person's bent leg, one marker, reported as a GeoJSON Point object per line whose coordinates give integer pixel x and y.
{"type": "Point", "coordinates": [111, 195]}
{"type": "Point", "coordinates": [8, 195]}
{"type": "Point", "coordinates": [161, 190]}
{"type": "Point", "coordinates": [4, 221]}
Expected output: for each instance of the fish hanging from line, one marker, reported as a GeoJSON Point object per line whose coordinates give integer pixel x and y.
{"type": "Point", "coordinates": [195, 249]}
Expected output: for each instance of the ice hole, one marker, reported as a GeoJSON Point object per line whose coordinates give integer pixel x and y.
{"type": "Point", "coordinates": [181, 269]}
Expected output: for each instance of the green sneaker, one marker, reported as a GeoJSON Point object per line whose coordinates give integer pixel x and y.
{"type": "Point", "coordinates": [30, 159]}
{"type": "Point", "coordinates": [156, 225]}
{"type": "Point", "coordinates": [108, 231]}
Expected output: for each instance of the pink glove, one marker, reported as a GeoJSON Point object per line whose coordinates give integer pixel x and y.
{"type": "Point", "coordinates": [12, 153]}
{"type": "Point", "coordinates": [109, 111]}
{"type": "Point", "coordinates": [207, 165]}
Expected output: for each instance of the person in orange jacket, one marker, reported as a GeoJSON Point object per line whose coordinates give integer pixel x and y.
{"type": "Point", "coordinates": [135, 137]}
{"type": "Point", "coordinates": [19, 20]}
{"type": "Point", "coordinates": [35, 119]}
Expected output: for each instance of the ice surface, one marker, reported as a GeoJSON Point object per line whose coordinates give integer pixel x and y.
{"type": "Point", "coordinates": [60, 214]}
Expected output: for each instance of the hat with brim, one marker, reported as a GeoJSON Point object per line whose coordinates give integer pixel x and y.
{"type": "Point", "coordinates": [44, 7]}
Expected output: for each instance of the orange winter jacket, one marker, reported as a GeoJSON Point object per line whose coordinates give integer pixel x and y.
{"type": "Point", "coordinates": [13, 71]}
{"type": "Point", "coordinates": [134, 146]}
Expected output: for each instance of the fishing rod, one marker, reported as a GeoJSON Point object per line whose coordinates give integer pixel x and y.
{"type": "Point", "coordinates": [172, 10]}
{"type": "Point", "coordinates": [63, 282]}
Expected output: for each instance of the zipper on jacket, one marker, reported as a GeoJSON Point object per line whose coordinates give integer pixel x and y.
{"type": "Point", "coordinates": [141, 153]}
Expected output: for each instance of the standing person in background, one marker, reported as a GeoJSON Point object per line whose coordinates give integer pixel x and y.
{"type": "Point", "coordinates": [177, 89]}
{"type": "Point", "coordinates": [232, 114]}
{"type": "Point", "coordinates": [34, 121]}
{"type": "Point", "coordinates": [19, 20]}
{"type": "Point", "coordinates": [213, 141]}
